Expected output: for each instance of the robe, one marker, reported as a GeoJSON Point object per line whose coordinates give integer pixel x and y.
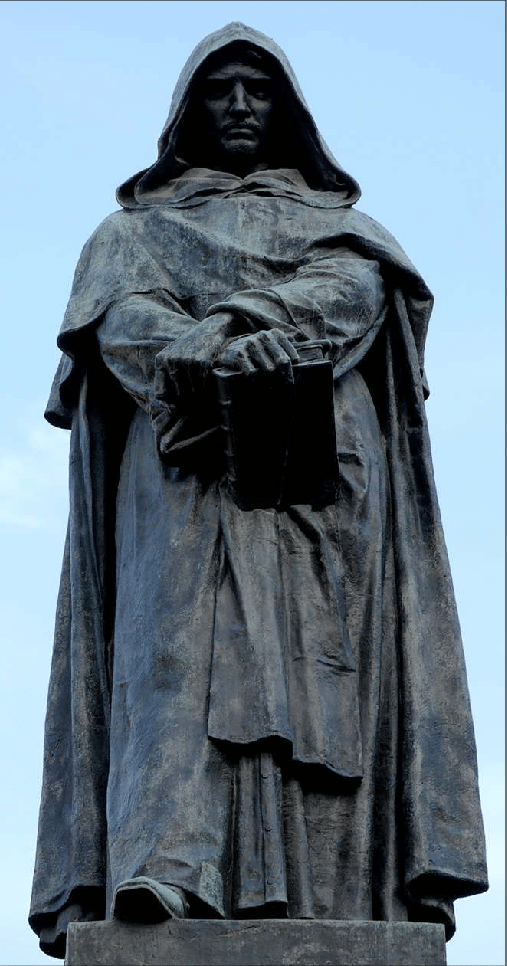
{"type": "Point", "coordinates": [267, 708]}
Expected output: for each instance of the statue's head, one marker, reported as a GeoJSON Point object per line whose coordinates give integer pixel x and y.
{"type": "Point", "coordinates": [237, 107]}
{"type": "Point", "coordinates": [231, 118]}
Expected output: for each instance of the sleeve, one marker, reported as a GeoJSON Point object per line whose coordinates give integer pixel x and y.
{"type": "Point", "coordinates": [339, 297]}
{"type": "Point", "coordinates": [134, 336]}
{"type": "Point", "coordinates": [132, 332]}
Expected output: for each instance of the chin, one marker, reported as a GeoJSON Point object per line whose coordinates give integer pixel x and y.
{"type": "Point", "coordinates": [241, 146]}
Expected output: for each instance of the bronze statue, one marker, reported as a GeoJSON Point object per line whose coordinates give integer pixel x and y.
{"type": "Point", "coordinates": [262, 711]}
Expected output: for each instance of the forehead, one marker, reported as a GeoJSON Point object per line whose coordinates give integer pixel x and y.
{"type": "Point", "coordinates": [237, 69]}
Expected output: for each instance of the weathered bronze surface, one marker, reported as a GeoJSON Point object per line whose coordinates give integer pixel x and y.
{"type": "Point", "coordinates": [258, 703]}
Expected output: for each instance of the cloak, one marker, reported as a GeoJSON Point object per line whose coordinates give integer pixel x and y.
{"type": "Point", "coordinates": [208, 723]}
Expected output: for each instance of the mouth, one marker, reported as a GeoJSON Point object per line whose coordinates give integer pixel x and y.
{"type": "Point", "coordinates": [240, 131]}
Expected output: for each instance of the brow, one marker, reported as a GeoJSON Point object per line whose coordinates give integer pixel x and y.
{"type": "Point", "coordinates": [252, 74]}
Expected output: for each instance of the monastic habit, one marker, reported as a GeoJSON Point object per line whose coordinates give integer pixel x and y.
{"type": "Point", "coordinates": [252, 712]}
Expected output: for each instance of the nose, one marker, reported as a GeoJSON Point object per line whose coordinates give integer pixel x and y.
{"type": "Point", "coordinates": [239, 106]}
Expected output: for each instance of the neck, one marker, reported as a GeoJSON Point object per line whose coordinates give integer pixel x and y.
{"type": "Point", "coordinates": [240, 165]}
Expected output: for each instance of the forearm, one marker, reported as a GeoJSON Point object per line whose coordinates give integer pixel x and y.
{"type": "Point", "coordinates": [336, 298]}
{"type": "Point", "coordinates": [153, 347]}
{"type": "Point", "coordinates": [133, 332]}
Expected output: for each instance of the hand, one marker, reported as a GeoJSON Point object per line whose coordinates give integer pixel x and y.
{"type": "Point", "coordinates": [182, 368]}
{"type": "Point", "coordinates": [270, 349]}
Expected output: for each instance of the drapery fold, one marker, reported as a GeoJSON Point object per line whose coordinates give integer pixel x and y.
{"type": "Point", "coordinates": [337, 778]}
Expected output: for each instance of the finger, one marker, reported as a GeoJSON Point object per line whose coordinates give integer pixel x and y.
{"type": "Point", "coordinates": [291, 350]}
{"type": "Point", "coordinates": [244, 363]}
{"type": "Point", "coordinates": [237, 358]}
{"type": "Point", "coordinates": [278, 354]}
{"type": "Point", "coordinates": [283, 340]}
{"type": "Point", "coordinates": [276, 359]}
{"type": "Point", "coordinates": [261, 355]}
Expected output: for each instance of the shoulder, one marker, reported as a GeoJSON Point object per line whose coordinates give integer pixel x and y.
{"type": "Point", "coordinates": [361, 223]}
{"type": "Point", "coordinates": [119, 232]}
{"type": "Point", "coordinates": [122, 224]}
{"type": "Point", "coordinates": [377, 242]}
{"type": "Point", "coordinates": [117, 224]}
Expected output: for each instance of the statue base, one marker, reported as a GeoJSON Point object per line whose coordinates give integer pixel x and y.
{"type": "Point", "coordinates": [256, 942]}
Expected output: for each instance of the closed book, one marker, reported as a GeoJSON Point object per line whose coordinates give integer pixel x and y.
{"type": "Point", "coordinates": [279, 435]}
{"type": "Point", "coordinates": [311, 474]}
{"type": "Point", "coordinates": [255, 423]}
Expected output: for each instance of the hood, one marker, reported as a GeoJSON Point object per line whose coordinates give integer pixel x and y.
{"type": "Point", "coordinates": [311, 156]}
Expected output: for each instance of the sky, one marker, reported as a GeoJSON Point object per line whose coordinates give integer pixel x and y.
{"type": "Point", "coordinates": [409, 96]}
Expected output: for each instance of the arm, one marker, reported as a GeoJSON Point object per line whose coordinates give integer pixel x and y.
{"type": "Point", "coordinates": [132, 332]}
{"type": "Point", "coordinates": [134, 337]}
{"type": "Point", "coordinates": [338, 297]}
{"type": "Point", "coordinates": [164, 358]}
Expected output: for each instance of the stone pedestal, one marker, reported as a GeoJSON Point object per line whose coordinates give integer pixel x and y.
{"type": "Point", "coordinates": [264, 942]}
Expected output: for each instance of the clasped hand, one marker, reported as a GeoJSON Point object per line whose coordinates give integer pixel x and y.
{"type": "Point", "coordinates": [183, 368]}
{"type": "Point", "coordinates": [269, 349]}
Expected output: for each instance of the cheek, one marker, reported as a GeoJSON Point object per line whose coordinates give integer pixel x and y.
{"type": "Point", "coordinates": [264, 114]}
{"type": "Point", "coordinates": [212, 115]}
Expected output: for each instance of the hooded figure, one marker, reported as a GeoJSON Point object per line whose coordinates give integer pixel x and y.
{"type": "Point", "coordinates": [259, 712]}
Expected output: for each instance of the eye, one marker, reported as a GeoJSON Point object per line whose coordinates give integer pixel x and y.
{"type": "Point", "coordinates": [261, 91]}
{"type": "Point", "coordinates": [214, 90]}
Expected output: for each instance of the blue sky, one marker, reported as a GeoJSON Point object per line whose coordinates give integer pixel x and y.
{"type": "Point", "coordinates": [409, 96]}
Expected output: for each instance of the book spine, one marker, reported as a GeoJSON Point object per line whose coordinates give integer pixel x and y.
{"type": "Point", "coordinates": [227, 424]}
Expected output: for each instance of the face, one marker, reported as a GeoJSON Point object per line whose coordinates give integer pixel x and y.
{"type": "Point", "coordinates": [237, 104]}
